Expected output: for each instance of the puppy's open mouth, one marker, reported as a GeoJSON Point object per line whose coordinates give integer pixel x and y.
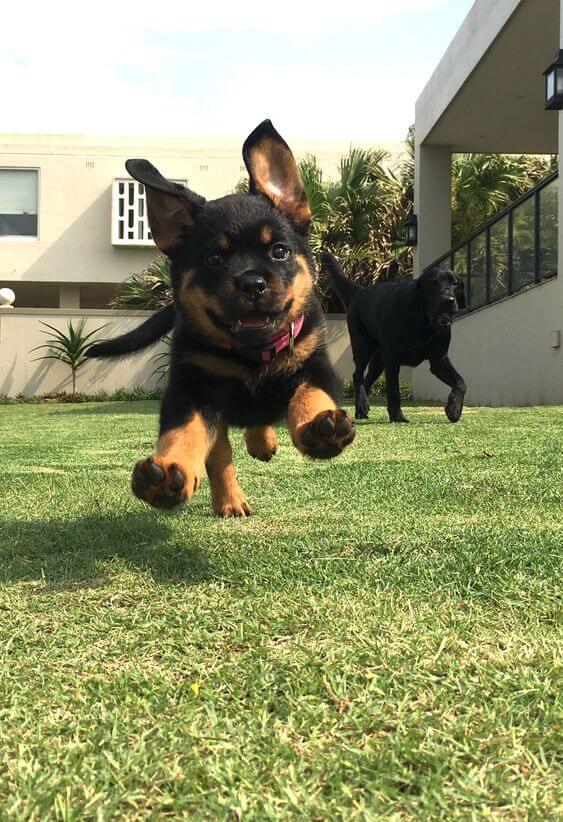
{"type": "Point", "coordinates": [254, 324]}
{"type": "Point", "coordinates": [258, 321]}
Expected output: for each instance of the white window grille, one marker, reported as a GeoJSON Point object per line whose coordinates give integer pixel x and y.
{"type": "Point", "coordinates": [129, 220]}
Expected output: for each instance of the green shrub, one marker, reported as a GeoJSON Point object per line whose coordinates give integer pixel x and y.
{"type": "Point", "coordinates": [378, 389]}
{"type": "Point", "coordinates": [138, 392]}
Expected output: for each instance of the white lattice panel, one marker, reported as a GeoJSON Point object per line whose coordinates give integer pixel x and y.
{"type": "Point", "coordinates": [129, 220]}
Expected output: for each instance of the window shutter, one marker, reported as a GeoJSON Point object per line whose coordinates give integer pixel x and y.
{"type": "Point", "coordinates": [18, 191]}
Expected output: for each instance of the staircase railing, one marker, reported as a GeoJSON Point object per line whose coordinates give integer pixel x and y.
{"type": "Point", "coordinates": [514, 250]}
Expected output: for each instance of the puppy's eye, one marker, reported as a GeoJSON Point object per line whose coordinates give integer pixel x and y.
{"type": "Point", "coordinates": [279, 251]}
{"type": "Point", "coordinates": [213, 258]}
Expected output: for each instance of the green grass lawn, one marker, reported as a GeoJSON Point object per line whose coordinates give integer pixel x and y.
{"type": "Point", "coordinates": [379, 639]}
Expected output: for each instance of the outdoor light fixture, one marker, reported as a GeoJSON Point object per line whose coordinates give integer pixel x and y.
{"type": "Point", "coordinates": [554, 84]}
{"type": "Point", "coordinates": [411, 230]}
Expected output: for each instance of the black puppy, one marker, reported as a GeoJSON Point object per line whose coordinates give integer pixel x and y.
{"type": "Point", "coordinates": [249, 342]}
{"type": "Point", "coordinates": [394, 324]}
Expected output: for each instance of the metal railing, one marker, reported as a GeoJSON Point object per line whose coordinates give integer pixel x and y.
{"type": "Point", "coordinates": [514, 250]}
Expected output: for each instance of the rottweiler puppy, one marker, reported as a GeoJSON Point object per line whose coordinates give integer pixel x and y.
{"type": "Point", "coordinates": [249, 340]}
{"type": "Point", "coordinates": [393, 324]}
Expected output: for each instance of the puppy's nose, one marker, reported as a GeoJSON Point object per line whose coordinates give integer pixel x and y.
{"type": "Point", "coordinates": [450, 300]}
{"type": "Point", "coordinates": [251, 284]}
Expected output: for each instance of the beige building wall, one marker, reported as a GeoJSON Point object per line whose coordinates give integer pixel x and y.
{"type": "Point", "coordinates": [21, 331]}
{"type": "Point", "coordinates": [75, 202]}
{"type": "Point", "coordinates": [487, 95]}
{"type": "Point", "coordinates": [506, 352]}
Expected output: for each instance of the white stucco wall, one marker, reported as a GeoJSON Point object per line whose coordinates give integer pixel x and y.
{"type": "Point", "coordinates": [75, 181]}
{"type": "Point", "coordinates": [20, 332]}
{"type": "Point", "coordinates": [504, 354]}
{"type": "Point", "coordinates": [487, 94]}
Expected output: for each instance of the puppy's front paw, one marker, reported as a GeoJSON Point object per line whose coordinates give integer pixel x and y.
{"type": "Point", "coordinates": [327, 435]}
{"type": "Point", "coordinates": [161, 483]}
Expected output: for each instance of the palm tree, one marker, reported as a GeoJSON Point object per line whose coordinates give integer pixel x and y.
{"type": "Point", "coordinates": [69, 348]}
{"type": "Point", "coordinates": [151, 289]}
{"type": "Point", "coordinates": [484, 184]}
{"type": "Point", "coordinates": [360, 215]}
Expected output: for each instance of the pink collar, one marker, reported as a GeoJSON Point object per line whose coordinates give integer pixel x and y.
{"type": "Point", "coordinates": [274, 347]}
{"type": "Point", "coordinates": [287, 340]}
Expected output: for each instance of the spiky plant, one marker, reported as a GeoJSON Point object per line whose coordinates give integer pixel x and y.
{"type": "Point", "coordinates": [162, 360]}
{"type": "Point", "coordinates": [151, 289]}
{"type": "Point", "coordinates": [69, 348]}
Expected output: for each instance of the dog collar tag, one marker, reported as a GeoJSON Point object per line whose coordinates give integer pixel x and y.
{"type": "Point", "coordinates": [291, 339]}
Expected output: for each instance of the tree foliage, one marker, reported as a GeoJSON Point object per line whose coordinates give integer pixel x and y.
{"type": "Point", "coordinates": [150, 290]}
{"type": "Point", "coordinates": [360, 215]}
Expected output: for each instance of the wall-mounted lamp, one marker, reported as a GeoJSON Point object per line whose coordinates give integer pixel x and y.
{"type": "Point", "coordinates": [554, 84]}
{"type": "Point", "coordinates": [411, 230]}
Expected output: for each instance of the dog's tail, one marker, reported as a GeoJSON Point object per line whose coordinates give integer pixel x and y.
{"type": "Point", "coordinates": [344, 287]}
{"type": "Point", "coordinates": [146, 334]}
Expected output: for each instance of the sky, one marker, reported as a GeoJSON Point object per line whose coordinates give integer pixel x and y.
{"type": "Point", "coordinates": [350, 70]}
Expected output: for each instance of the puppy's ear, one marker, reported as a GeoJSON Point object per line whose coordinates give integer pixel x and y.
{"type": "Point", "coordinates": [273, 171]}
{"type": "Point", "coordinates": [460, 292]}
{"type": "Point", "coordinates": [171, 207]}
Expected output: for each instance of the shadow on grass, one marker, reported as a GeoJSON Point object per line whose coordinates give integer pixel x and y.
{"type": "Point", "coordinates": [75, 553]}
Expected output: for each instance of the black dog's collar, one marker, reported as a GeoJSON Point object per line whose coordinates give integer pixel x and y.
{"type": "Point", "coordinates": [445, 319]}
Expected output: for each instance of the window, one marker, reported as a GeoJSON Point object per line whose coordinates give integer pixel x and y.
{"type": "Point", "coordinates": [130, 223]}
{"type": "Point", "coordinates": [524, 240]}
{"type": "Point", "coordinates": [19, 193]}
{"type": "Point", "coordinates": [498, 260]}
{"type": "Point", "coordinates": [548, 227]}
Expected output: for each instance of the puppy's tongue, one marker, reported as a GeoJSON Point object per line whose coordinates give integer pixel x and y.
{"type": "Point", "coordinates": [253, 321]}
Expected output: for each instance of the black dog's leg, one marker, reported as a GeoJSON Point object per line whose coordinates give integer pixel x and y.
{"type": "Point", "coordinates": [361, 351]}
{"type": "Point", "coordinates": [393, 392]}
{"type": "Point", "coordinates": [444, 370]}
{"type": "Point", "coordinates": [375, 370]}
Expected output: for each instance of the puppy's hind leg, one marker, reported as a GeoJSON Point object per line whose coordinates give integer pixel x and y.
{"type": "Point", "coordinates": [227, 497]}
{"type": "Point", "coordinates": [261, 442]}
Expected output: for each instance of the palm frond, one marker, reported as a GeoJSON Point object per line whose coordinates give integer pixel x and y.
{"type": "Point", "coordinates": [150, 290]}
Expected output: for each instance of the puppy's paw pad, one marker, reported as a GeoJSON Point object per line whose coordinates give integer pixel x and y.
{"type": "Point", "coordinates": [161, 484]}
{"type": "Point", "coordinates": [328, 434]}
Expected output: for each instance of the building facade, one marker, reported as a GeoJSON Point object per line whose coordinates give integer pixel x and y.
{"type": "Point", "coordinates": [73, 224]}
{"type": "Point", "coordinates": [488, 95]}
